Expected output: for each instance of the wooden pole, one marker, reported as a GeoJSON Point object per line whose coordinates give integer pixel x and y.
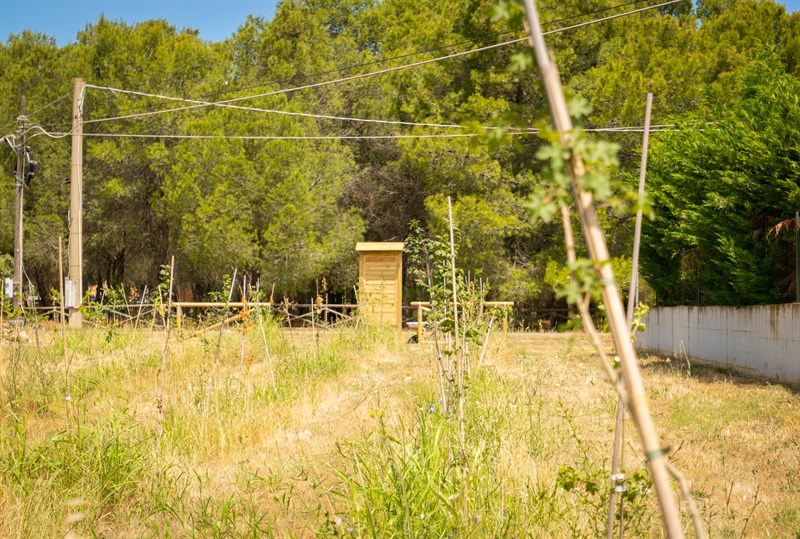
{"type": "Point", "coordinates": [76, 206]}
{"type": "Point", "coordinates": [598, 251]}
{"type": "Point", "coordinates": [18, 205]}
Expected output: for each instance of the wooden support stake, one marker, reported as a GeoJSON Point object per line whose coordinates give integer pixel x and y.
{"type": "Point", "coordinates": [61, 297]}
{"type": "Point", "coordinates": [419, 323]}
{"type": "Point", "coordinates": [598, 251]}
{"type": "Point", "coordinates": [633, 293]}
{"type": "Point", "coordinates": [218, 325]}
{"type": "Point", "coordinates": [633, 300]}
{"type": "Point", "coordinates": [162, 373]}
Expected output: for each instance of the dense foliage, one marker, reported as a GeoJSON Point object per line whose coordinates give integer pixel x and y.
{"type": "Point", "coordinates": [720, 193]}
{"type": "Point", "coordinates": [290, 211]}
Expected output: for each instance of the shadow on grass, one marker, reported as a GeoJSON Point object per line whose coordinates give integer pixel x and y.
{"type": "Point", "coordinates": [709, 372]}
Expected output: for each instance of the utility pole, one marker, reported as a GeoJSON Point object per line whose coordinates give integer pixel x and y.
{"type": "Point", "coordinates": [18, 202]}
{"type": "Point", "coordinates": [598, 251]}
{"type": "Point", "coordinates": [75, 249]}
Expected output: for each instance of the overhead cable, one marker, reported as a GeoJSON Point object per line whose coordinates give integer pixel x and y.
{"type": "Point", "coordinates": [374, 73]}
{"type": "Point", "coordinates": [431, 49]}
{"type": "Point", "coordinates": [631, 129]}
{"type": "Point", "coordinates": [49, 104]}
{"type": "Point", "coordinates": [254, 109]}
{"type": "Point", "coordinates": [270, 137]}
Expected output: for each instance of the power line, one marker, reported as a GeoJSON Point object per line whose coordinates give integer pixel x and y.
{"type": "Point", "coordinates": [253, 109]}
{"type": "Point", "coordinates": [11, 139]}
{"type": "Point", "coordinates": [37, 110]}
{"type": "Point", "coordinates": [42, 131]}
{"type": "Point", "coordinates": [270, 137]}
{"type": "Point", "coordinates": [379, 72]}
{"type": "Point", "coordinates": [532, 131]}
{"type": "Point", "coordinates": [49, 104]}
{"type": "Point", "coordinates": [432, 49]}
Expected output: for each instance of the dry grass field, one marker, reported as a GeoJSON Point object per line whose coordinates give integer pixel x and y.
{"type": "Point", "coordinates": [342, 433]}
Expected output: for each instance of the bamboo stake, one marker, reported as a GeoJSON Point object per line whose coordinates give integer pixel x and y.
{"type": "Point", "coordinates": [486, 341]}
{"type": "Point", "coordinates": [163, 370]}
{"type": "Point", "coordinates": [453, 268]}
{"type": "Point", "coordinates": [598, 251]}
{"type": "Point", "coordinates": [67, 396]}
{"type": "Point", "coordinates": [314, 337]}
{"type": "Point", "coordinates": [61, 297]}
{"type": "Point", "coordinates": [458, 353]}
{"type": "Point", "coordinates": [633, 299]}
{"type": "Point", "coordinates": [127, 306]}
{"type": "Point", "coordinates": [244, 314]}
{"type": "Point", "coordinates": [633, 294]}
{"type": "Point", "coordinates": [141, 303]}
{"type": "Point", "coordinates": [215, 361]}
{"type": "Point", "coordinates": [264, 338]}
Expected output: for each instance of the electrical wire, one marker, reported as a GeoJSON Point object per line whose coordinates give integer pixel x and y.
{"type": "Point", "coordinates": [270, 137]}
{"type": "Point", "coordinates": [424, 51]}
{"type": "Point", "coordinates": [372, 73]}
{"type": "Point", "coordinates": [629, 129]}
{"type": "Point", "coordinates": [5, 163]}
{"type": "Point", "coordinates": [48, 134]}
{"type": "Point", "coordinates": [256, 109]}
{"type": "Point", "coordinates": [48, 105]}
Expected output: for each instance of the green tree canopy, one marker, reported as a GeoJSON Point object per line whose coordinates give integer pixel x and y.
{"type": "Point", "coordinates": [719, 190]}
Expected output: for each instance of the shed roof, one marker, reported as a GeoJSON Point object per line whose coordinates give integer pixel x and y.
{"type": "Point", "coordinates": [379, 246]}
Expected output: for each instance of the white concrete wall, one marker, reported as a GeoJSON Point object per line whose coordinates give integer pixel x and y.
{"type": "Point", "coordinates": [762, 340]}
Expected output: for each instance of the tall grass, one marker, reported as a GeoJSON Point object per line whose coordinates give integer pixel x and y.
{"type": "Point", "coordinates": [355, 441]}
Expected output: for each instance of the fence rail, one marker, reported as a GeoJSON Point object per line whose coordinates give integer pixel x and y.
{"type": "Point", "coordinates": [423, 306]}
{"type": "Point", "coordinates": [327, 315]}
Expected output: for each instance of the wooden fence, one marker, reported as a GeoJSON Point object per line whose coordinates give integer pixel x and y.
{"type": "Point", "coordinates": [327, 315]}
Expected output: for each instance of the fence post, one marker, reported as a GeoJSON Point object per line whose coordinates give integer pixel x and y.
{"type": "Point", "coordinates": [419, 323]}
{"type": "Point", "coordinates": [178, 316]}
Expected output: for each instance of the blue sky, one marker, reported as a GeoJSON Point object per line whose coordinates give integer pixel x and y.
{"type": "Point", "coordinates": [63, 19]}
{"type": "Point", "coordinates": [215, 19]}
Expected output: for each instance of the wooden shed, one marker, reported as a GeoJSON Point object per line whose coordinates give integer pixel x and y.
{"type": "Point", "coordinates": [380, 278]}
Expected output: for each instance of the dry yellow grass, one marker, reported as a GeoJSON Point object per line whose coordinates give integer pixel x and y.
{"type": "Point", "coordinates": [270, 459]}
